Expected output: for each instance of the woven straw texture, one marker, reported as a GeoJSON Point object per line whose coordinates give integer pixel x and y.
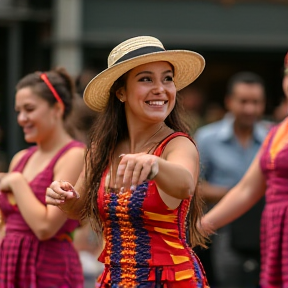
{"type": "Point", "coordinates": [188, 65]}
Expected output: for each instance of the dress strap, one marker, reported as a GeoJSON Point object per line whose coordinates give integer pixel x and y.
{"type": "Point", "coordinates": [160, 148]}
{"type": "Point", "coordinates": [67, 147]}
{"type": "Point", "coordinates": [22, 162]}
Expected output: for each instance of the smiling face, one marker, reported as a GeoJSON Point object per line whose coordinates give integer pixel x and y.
{"type": "Point", "coordinates": [34, 115]}
{"type": "Point", "coordinates": [149, 93]}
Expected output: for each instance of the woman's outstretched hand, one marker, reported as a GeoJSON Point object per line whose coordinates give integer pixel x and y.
{"type": "Point", "coordinates": [59, 192]}
{"type": "Point", "coordinates": [134, 169]}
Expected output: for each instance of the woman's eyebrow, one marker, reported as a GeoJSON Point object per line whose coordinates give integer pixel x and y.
{"type": "Point", "coordinates": [143, 72]}
{"type": "Point", "coordinates": [168, 71]}
{"type": "Point", "coordinates": [149, 72]}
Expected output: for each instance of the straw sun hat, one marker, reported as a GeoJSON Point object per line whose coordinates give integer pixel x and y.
{"type": "Point", "coordinates": [136, 51]}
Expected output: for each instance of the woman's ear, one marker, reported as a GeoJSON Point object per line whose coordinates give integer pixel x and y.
{"type": "Point", "coordinates": [59, 109]}
{"type": "Point", "coordinates": [120, 94]}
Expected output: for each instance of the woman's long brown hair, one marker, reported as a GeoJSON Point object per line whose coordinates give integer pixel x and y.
{"type": "Point", "coordinates": [111, 128]}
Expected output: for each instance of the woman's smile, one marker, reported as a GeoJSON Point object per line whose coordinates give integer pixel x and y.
{"type": "Point", "coordinates": [156, 103]}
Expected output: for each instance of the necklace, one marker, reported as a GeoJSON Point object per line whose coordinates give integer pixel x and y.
{"type": "Point", "coordinates": [151, 137]}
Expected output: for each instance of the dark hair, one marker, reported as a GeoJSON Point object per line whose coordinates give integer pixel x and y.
{"type": "Point", "coordinates": [61, 82]}
{"type": "Point", "coordinates": [109, 129]}
{"type": "Point", "coordinates": [84, 78]}
{"type": "Point", "coordinates": [243, 77]}
{"type": "Point", "coordinates": [80, 120]}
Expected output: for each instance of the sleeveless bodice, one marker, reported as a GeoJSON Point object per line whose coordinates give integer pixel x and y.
{"type": "Point", "coordinates": [14, 220]}
{"type": "Point", "coordinates": [142, 232]}
{"type": "Point", "coordinates": [275, 171]}
{"type": "Point", "coordinates": [50, 263]}
{"type": "Point", "coordinates": [274, 222]}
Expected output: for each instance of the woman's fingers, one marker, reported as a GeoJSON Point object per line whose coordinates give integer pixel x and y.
{"type": "Point", "coordinates": [120, 174]}
{"type": "Point", "coordinates": [2, 175]}
{"type": "Point", "coordinates": [128, 173]}
{"type": "Point", "coordinates": [75, 193]}
{"type": "Point", "coordinates": [136, 175]}
{"type": "Point", "coordinates": [59, 186]}
{"type": "Point", "coordinates": [59, 191]}
{"type": "Point", "coordinates": [53, 198]}
{"type": "Point", "coordinates": [134, 169]}
{"type": "Point", "coordinates": [153, 171]}
{"type": "Point", "coordinates": [145, 171]}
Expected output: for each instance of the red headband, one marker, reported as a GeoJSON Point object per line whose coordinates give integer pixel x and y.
{"type": "Point", "coordinates": [44, 77]}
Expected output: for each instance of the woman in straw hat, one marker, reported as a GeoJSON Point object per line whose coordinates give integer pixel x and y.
{"type": "Point", "coordinates": [140, 185]}
{"type": "Point", "coordinates": [267, 176]}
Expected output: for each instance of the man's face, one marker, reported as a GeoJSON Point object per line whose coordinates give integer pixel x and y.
{"type": "Point", "coordinates": [246, 103]}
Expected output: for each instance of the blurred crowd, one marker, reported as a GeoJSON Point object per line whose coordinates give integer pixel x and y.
{"type": "Point", "coordinates": [234, 131]}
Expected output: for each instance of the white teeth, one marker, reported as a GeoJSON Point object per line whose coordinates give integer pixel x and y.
{"type": "Point", "coordinates": [156, 103]}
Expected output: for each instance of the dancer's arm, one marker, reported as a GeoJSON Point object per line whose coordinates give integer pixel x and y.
{"type": "Point", "coordinates": [44, 220]}
{"type": "Point", "coordinates": [239, 199]}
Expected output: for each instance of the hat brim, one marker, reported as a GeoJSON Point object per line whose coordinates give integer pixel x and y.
{"type": "Point", "coordinates": [188, 65]}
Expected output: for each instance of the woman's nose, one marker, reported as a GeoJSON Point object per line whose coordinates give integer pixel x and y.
{"type": "Point", "coordinates": [22, 117]}
{"type": "Point", "coordinates": [158, 88]}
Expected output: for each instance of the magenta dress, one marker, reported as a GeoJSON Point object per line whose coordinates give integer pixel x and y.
{"type": "Point", "coordinates": [274, 223]}
{"type": "Point", "coordinates": [26, 262]}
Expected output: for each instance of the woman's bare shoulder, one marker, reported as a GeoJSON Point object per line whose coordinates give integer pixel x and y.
{"type": "Point", "coordinates": [16, 158]}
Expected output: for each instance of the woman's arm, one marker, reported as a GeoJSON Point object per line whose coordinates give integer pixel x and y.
{"type": "Point", "coordinates": [178, 168]}
{"type": "Point", "coordinates": [13, 162]}
{"type": "Point", "coordinates": [175, 172]}
{"type": "Point", "coordinates": [44, 220]}
{"type": "Point", "coordinates": [239, 199]}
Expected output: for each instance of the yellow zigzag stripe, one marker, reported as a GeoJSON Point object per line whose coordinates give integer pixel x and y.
{"type": "Point", "coordinates": [160, 217]}
{"type": "Point", "coordinates": [179, 259]}
{"type": "Point", "coordinates": [173, 244]}
{"type": "Point", "coordinates": [186, 274]}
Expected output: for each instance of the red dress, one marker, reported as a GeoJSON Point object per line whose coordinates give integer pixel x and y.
{"type": "Point", "coordinates": [274, 223]}
{"type": "Point", "coordinates": [145, 240]}
{"type": "Point", "coordinates": [26, 262]}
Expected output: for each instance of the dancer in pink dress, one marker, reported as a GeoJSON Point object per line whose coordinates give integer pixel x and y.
{"type": "Point", "coordinates": [268, 174]}
{"type": "Point", "coordinates": [37, 249]}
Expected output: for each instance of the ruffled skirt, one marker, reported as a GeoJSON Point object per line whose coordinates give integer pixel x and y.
{"type": "Point", "coordinates": [159, 277]}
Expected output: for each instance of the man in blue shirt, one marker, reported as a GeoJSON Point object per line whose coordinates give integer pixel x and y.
{"type": "Point", "coordinates": [227, 148]}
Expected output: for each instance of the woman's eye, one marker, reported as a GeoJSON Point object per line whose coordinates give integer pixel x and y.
{"type": "Point", "coordinates": [144, 79]}
{"type": "Point", "coordinates": [169, 78]}
{"type": "Point", "coordinates": [29, 108]}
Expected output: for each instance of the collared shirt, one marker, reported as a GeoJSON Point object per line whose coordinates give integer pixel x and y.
{"type": "Point", "coordinates": [223, 159]}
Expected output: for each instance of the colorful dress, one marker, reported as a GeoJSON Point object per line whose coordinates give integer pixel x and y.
{"type": "Point", "coordinates": [274, 223]}
{"type": "Point", "coordinates": [145, 240]}
{"type": "Point", "coordinates": [25, 261]}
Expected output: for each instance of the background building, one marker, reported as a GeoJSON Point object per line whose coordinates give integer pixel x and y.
{"type": "Point", "coordinates": [232, 35]}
